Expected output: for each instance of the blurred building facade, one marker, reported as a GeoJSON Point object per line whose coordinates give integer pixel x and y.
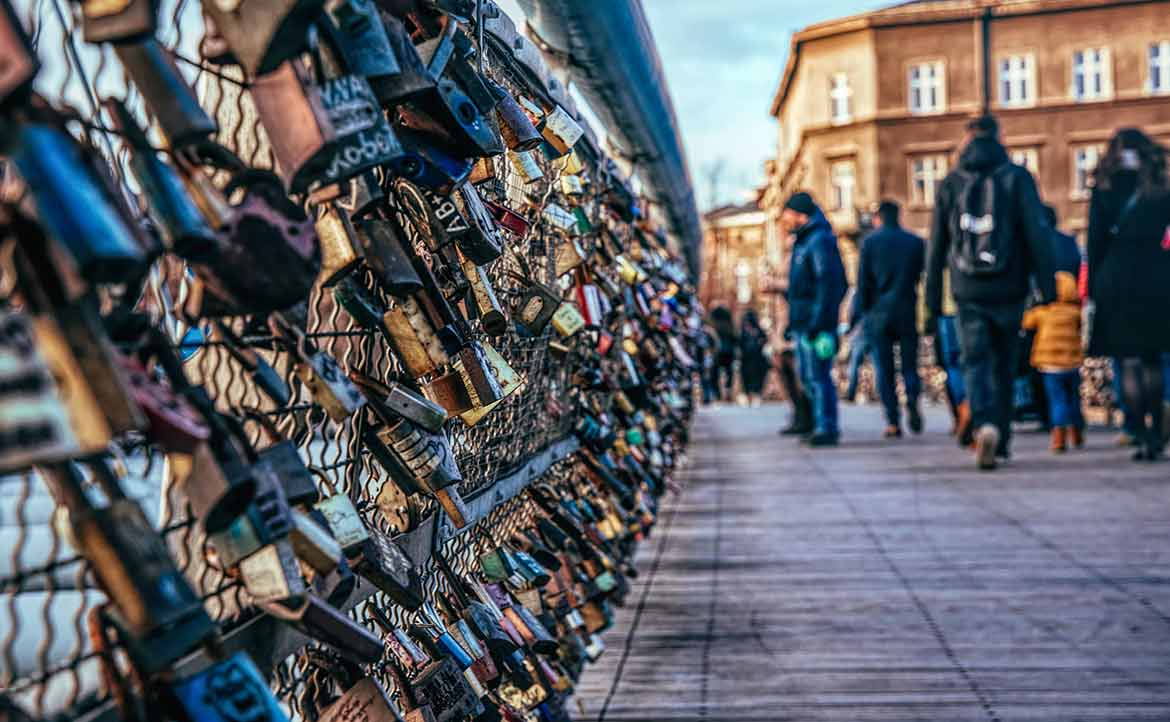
{"type": "Point", "coordinates": [739, 262]}
{"type": "Point", "coordinates": [874, 106]}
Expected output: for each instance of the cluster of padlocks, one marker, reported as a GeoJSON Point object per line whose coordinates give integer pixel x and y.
{"type": "Point", "coordinates": [404, 358]}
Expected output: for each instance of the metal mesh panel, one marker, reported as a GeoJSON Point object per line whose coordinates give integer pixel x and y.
{"type": "Point", "coordinates": [48, 663]}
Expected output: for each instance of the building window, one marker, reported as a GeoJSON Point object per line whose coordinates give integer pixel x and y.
{"type": "Point", "coordinates": [840, 97]}
{"type": "Point", "coordinates": [1084, 163]}
{"type": "Point", "coordinates": [926, 173]}
{"type": "Point", "coordinates": [928, 88]}
{"type": "Point", "coordinates": [1091, 76]}
{"type": "Point", "coordinates": [842, 181]}
{"type": "Point", "coordinates": [1027, 157]}
{"type": "Point", "coordinates": [1017, 81]}
{"type": "Point", "coordinates": [1159, 81]}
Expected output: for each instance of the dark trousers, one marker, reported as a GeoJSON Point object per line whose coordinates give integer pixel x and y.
{"type": "Point", "coordinates": [882, 338]}
{"type": "Point", "coordinates": [989, 336]}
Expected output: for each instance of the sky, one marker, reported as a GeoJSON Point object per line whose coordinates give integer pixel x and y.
{"type": "Point", "coordinates": [723, 62]}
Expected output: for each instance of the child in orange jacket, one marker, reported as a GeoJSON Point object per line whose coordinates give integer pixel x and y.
{"type": "Point", "coordinates": [1057, 355]}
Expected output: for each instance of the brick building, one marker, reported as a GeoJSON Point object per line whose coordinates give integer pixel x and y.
{"type": "Point", "coordinates": [874, 106]}
{"type": "Point", "coordinates": [738, 262]}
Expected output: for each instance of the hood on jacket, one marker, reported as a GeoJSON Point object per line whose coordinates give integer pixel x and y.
{"type": "Point", "coordinates": [983, 154]}
{"type": "Point", "coordinates": [1066, 288]}
{"type": "Point", "coordinates": [815, 221]}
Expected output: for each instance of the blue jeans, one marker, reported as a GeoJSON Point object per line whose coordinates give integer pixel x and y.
{"type": "Point", "coordinates": [989, 335]}
{"type": "Point", "coordinates": [1064, 398]}
{"type": "Point", "coordinates": [816, 376]}
{"type": "Point", "coordinates": [882, 341]}
{"type": "Point", "coordinates": [949, 354]}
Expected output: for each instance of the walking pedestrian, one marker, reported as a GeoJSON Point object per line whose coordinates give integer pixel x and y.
{"type": "Point", "coordinates": [753, 362]}
{"type": "Point", "coordinates": [988, 232]}
{"type": "Point", "coordinates": [816, 287]}
{"type": "Point", "coordinates": [891, 265]}
{"type": "Point", "coordinates": [1057, 355]}
{"type": "Point", "coordinates": [725, 343]}
{"type": "Point", "coordinates": [1129, 276]}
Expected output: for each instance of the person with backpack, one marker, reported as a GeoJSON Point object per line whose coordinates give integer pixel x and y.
{"type": "Point", "coordinates": [1057, 355]}
{"type": "Point", "coordinates": [816, 287]}
{"type": "Point", "coordinates": [988, 232]}
{"type": "Point", "coordinates": [887, 304]}
{"type": "Point", "coordinates": [1129, 276]}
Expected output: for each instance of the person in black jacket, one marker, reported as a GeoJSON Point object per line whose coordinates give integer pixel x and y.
{"type": "Point", "coordinates": [1129, 276]}
{"type": "Point", "coordinates": [988, 232]}
{"type": "Point", "coordinates": [753, 363]}
{"type": "Point", "coordinates": [891, 265]}
{"type": "Point", "coordinates": [816, 287]}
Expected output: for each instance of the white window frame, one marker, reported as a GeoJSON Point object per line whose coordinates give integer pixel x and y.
{"type": "Point", "coordinates": [1017, 81]}
{"type": "Point", "coordinates": [1093, 67]}
{"type": "Point", "coordinates": [1028, 157]}
{"type": "Point", "coordinates": [929, 170]}
{"type": "Point", "coordinates": [1084, 161]}
{"type": "Point", "coordinates": [840, 99]}
{"type": "Point", "coordinates": [843, 185]}
{"type": "Point", "coordinates": [926, 89]}
{"type": "Point", "coordinates": [1158, 68]}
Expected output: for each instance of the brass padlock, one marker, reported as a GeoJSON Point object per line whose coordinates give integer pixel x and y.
{"type": "Point", "coordinates": [365, 701]}
{"type": "Point", "coordinates": [525, 166]}
{"type": "Point", "coordinates": [414, 339]}
{"type": "Point", "coordinates": [510, 382]}
{"type": "Point", "coordinates": [560, 130]}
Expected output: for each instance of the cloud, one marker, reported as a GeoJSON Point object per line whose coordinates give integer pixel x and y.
{"type": "Point", "coordinates": [723, 62]}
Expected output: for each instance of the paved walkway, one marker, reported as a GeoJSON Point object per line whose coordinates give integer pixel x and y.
{"type": "Point", "coordinates": [894, 582]}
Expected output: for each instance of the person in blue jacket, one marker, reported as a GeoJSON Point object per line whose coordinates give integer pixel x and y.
{"type": "Point", "coordinates": [816, 287]}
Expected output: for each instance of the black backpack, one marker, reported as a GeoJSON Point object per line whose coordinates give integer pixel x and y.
{"type": "Point", "coordinates": [981, 245]}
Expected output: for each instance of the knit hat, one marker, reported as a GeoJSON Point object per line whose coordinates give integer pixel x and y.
{"type": "Point", "coordinates": [802, 203]}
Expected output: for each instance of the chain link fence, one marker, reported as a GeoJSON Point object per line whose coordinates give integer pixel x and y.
{"type": "Point", "coordinates": [47, 661]}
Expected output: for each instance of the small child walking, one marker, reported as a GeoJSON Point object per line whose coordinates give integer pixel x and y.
{"type": "Point", "coordinates": [1057, 355]}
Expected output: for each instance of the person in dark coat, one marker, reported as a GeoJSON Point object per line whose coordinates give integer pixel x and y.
{"type": "Point", "coordinates": [1129, 275]}
{"type": "Point", "coordinates": [1066, 254]}
{"type": "Point", "coordinates": [891, 265]}
{"type": "Point", "coordinates": [816, 287]}
{"type": "Point", "coordinates": [753, 363]}
{"type": "Point", "coordinates": [725, 343]}
{"type": "Point", "coordinates": [989, 285]}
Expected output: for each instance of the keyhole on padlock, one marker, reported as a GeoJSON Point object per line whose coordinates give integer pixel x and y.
{"type": "Point", "coordinates": [467, 112]}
